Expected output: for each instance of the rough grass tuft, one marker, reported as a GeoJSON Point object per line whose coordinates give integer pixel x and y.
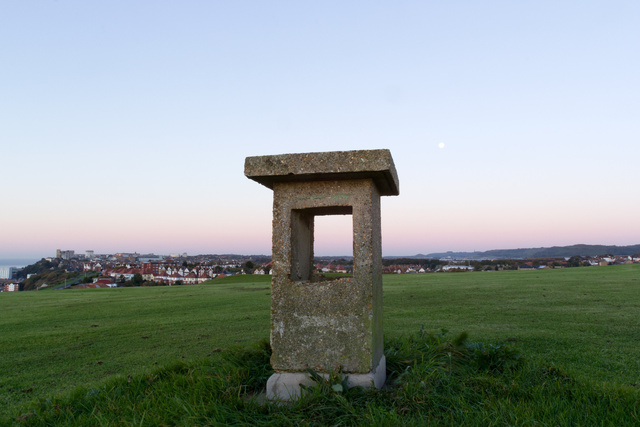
{"type": "Point", "coordinates": [432, 379]}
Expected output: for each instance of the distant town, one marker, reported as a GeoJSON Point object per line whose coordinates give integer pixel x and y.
{"type": "Point", "coordinates": [71, 270]}
{"type": "Point", "coordinates": [68, 269]}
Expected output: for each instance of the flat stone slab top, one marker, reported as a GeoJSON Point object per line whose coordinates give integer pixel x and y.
{"type": "Point", "coordinates": [326, 166]}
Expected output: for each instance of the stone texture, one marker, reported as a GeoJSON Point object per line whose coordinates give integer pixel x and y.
{"type": "Point", "coordinates": [319, 324]}
{"type": "Point", "coordinates": [333, 165]}
{"type": "Point", "coordinates": [286, 385]}
{"type": "Point", "coordinates": [331, 324]}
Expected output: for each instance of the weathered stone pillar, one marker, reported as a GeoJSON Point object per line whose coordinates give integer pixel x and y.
{"type": "Point", "coordinates": [320, 324]}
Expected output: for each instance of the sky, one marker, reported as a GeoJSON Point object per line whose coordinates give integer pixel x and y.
{"type": "Point", "coordinates": [124, 125]}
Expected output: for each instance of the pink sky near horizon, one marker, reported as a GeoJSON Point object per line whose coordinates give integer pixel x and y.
{"type": "Point", "coordinates": [419, 231]}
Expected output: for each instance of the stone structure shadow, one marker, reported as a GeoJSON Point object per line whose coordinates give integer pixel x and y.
{"type": "Point", "coordinates": [320, 324]}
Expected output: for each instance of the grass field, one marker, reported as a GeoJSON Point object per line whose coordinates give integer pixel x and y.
{"type": "Point", "coordinates": [582, 321]}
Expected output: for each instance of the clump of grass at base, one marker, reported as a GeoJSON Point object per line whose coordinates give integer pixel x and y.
{"type": "Point", "coordinates": [432, 379]}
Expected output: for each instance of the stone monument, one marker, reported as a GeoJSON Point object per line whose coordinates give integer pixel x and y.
{"type": "Point", "coordinates": [321, 324]}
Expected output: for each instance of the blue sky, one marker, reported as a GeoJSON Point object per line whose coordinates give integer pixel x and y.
{"type": "Point", "coordinates": [124, 125]}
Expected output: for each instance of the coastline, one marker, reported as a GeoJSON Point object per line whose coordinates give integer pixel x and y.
{"type": "Point", "coordinates": [17, 262]}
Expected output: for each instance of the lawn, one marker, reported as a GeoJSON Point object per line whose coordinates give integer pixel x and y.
{"type": "Point", "coordinates": [585, 319]}
{"type": "Point", "coordinates": [582, 321]}
{"type": "Point", "coordinates": [53, 341]}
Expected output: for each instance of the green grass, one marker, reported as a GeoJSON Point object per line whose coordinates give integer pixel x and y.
{"type": "Point", "coordinates": [54, 341]}
{"type": "Point", "coordinates": [432, 380]}
{"type": "Point", "coordinates": [576, 327]}
{"type": "Point", "coordinates": [584, 318]}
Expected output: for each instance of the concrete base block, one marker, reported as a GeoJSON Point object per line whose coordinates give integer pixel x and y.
{"type": "Point", "coordinates": [286, 385]}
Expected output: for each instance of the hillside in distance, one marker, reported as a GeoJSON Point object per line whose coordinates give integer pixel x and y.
{"type": "Point", "coordinates": [554, 251]}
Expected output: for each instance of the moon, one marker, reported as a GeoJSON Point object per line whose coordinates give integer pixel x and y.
{"type": "Point", "coordinates": [441, 145]}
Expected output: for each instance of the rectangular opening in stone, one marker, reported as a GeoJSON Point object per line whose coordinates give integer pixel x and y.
{"type": "Point", "coordinates": [333, 236]}
{"type": "Point", "coordinates": [303, 236]}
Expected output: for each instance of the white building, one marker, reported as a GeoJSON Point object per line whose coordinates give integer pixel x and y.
{"type": "Point", "coordinates": [452, 267]}
{"type": "Point", "coordinates": [11, 287]}
{"type": "Point", "coordinates": [8, 272]}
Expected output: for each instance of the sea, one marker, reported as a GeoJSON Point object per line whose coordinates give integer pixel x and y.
{"type": "Point", "coordinates": [17, 262]}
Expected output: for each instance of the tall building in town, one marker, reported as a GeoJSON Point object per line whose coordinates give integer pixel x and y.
{"type": "Point", "coordinates": [65, 254]}
{"type": "Point", "coordinates": [8, 272]}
